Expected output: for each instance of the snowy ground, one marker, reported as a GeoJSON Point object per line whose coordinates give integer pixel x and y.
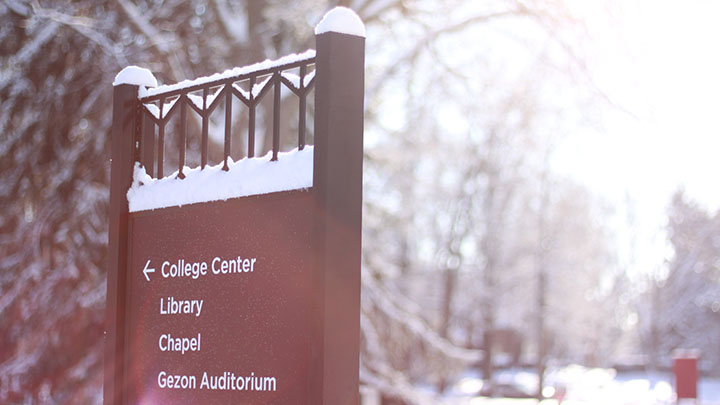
{"type": "Point", "coordinates": [585, 386]}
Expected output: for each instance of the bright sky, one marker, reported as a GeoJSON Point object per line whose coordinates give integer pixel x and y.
{"type": "Point", "coordinates": [660, 60]}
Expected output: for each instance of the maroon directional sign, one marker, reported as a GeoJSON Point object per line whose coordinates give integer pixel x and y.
{"type": "Point", "coordinates": [219, 301]}
{"type": "Point", "coordinates": [251, 300]}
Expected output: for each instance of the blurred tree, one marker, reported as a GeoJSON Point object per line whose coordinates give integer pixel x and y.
{"type": "Point", "coordinates": [681, 309]}
{"type": "Point", "coordinates": [457, 152]}
{"type": "Point", "coordinates": [457, 110]}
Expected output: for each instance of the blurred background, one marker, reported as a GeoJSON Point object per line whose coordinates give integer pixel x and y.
{"type": "Point", "coordinates": [540, 199]}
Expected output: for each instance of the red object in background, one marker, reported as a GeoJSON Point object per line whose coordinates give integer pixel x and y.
{"type": "Point", "coordinates": [686, 374]}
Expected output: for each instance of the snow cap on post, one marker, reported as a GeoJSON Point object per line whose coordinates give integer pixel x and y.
{"type": "Point", "coordinates": [342, 20]}
{"type": "Point", "coordinates": [135, 75]}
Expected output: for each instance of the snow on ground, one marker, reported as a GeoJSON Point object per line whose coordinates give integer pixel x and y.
{"type": "Point", "coordinates": [249, 176]}
{"type": "Point", "coordinates": [584, 386]}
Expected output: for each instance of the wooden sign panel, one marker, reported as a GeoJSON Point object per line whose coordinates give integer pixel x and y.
{"type": "Point", "coordinates": [220, 301]}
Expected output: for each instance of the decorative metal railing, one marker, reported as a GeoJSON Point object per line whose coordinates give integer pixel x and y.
{"type": "Point", "coordinates": [203, 95]}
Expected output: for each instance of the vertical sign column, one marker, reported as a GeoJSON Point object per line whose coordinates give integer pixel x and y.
{"type": "Point", "coordinates": [337, 188]}
{"type": "Point", "coordinates": [122, 149]}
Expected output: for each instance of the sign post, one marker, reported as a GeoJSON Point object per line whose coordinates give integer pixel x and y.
{"type": "Point", "coordinates": [252, 299]}
{"type": "Point", "coordinates": [337, 176]}
{"type": "Point", "coordinates": [123, 137]}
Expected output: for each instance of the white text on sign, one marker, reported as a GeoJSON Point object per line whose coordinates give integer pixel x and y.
{"type": "Point", "coordinates": [168, 343]}
{"type": "Point", "coordinates": [218, 266]}
{"type": "Point", "coordinates": [175, 307]}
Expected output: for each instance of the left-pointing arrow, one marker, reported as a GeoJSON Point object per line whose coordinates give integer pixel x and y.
{"type": "Point", "coordinates": [146, 270]}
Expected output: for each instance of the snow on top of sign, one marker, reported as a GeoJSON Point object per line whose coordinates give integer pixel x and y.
{"type": "Point", "coordinates": [135, 75]}
{"type": "Point", "coordinates": [295, 79]}
{"type": "Point", "coordinates": [155, 110]}
{"type": "Point", "coordinates": [256, 89]}
{"type": "Point", "coordinates": [266, 64]}
{"type": "Point", "coordinates": [249, 176]}
{"type": "Point", "coordinates": [342, 20]}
